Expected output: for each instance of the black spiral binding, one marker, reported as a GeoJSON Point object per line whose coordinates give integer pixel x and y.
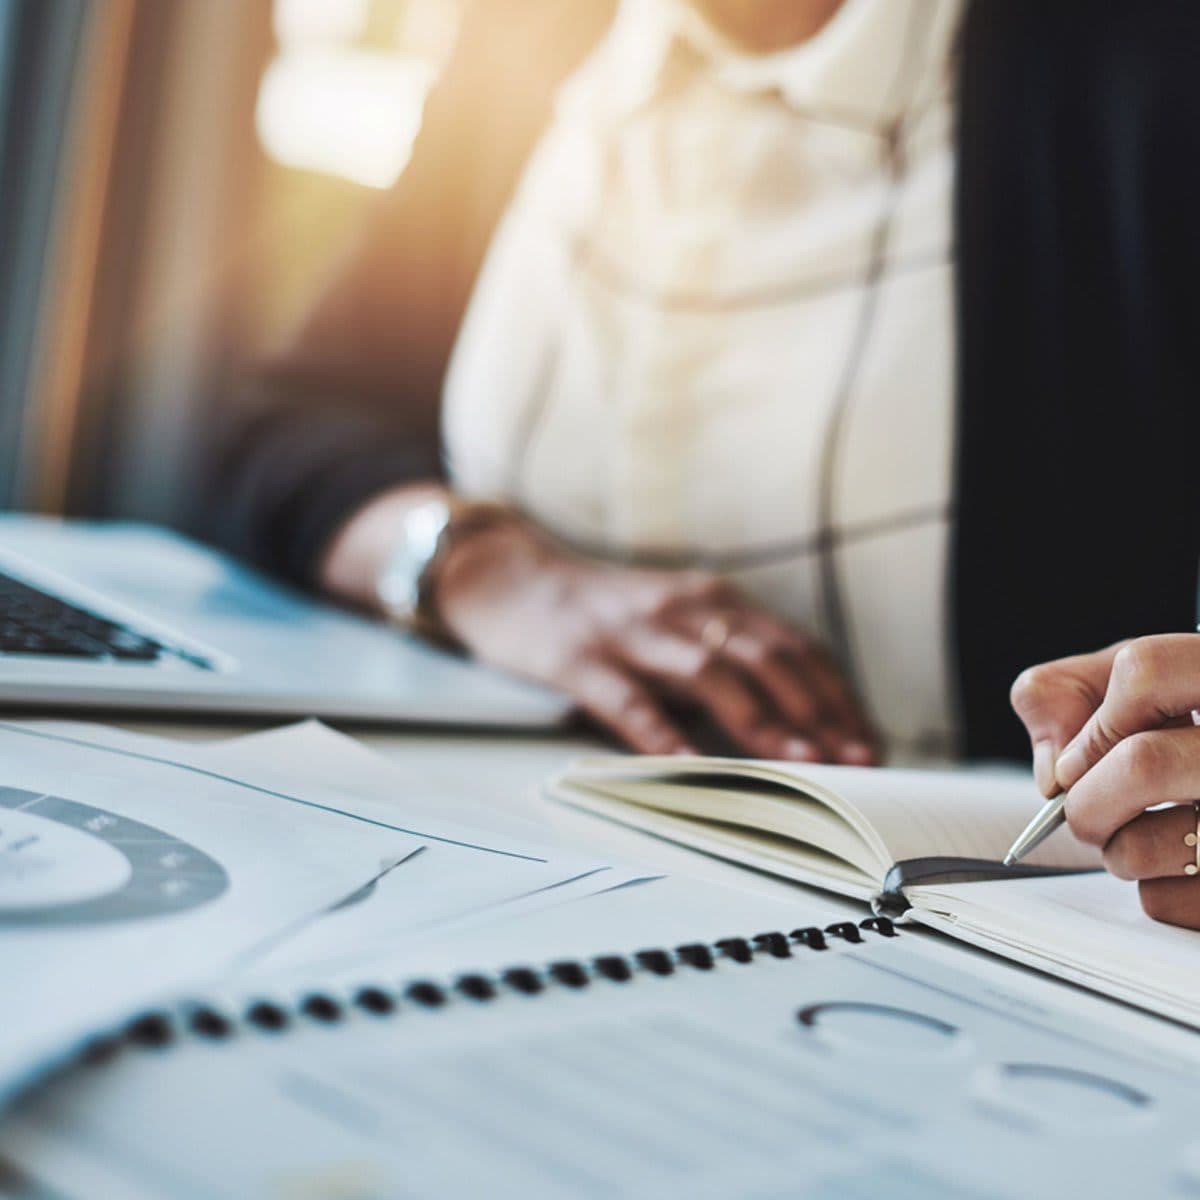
{"type": "Point", "coordinates": [158, 1029]}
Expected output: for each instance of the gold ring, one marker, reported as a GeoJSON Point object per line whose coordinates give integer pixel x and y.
{"type": "Point", "coordinates": [1193, 840]}
{"type": "Point", "coordinates": [715, 633]}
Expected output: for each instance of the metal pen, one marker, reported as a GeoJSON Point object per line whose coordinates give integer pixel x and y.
{"type": "Point", "coordinates": [1049, 817]}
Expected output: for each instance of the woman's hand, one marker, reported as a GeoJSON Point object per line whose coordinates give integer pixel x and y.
{"type": "Point", "coordinates": [634, 647]}
{"type": "Point", "coordinates": [1115, 731]}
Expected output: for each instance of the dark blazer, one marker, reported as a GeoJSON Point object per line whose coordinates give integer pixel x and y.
{"type": "Point", "coordinates": [1076, 210]}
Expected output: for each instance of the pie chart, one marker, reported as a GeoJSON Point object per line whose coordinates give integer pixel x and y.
{"type": "Point", "coordinates": [67, 863]}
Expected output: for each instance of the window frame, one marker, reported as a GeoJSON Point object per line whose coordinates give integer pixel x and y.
{"type": "Point", "coordinates": [41, 45]}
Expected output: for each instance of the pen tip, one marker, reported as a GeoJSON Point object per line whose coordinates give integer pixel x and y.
{"type": "Point", "coordinates": [1009, 859]}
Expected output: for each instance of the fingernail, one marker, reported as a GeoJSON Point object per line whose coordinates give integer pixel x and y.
{"type": "Point", "coordinates": [1043, 767]}
{"type": "Point", "coordinates": [802, 750]}
{"type": "Point", "coordinates": [857, 754]}
{"type": "Point", "coordinates": [1071, 766]}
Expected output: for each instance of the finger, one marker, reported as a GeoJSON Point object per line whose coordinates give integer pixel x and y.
{"type": "Point", "coordinates": [791, 692]}
{"type": "Point", "coordinates": [1172, 901]}
{"type": "Point", "coordinates": [1152, 845]}
{"type": "Point", "coordinates": [1159, 767]}
{"type": "Point", "coordinates": [702, 676]}
{"type": "Point", "coordinates": [1154, 680]}
{"type": "Point", "coordinates": [795, 695]}
{"type": "Point", "coordinates": [1054, 700]}
{"type": "Point", "coordinates": [805, 683]}
{"type": "Point", "coordinates": [624, 706]}
{"type": "Point", "coordinates": [808, 692]}
{"type": "Point", "coordinates": [759, 659]}
{"type": "Point", "coordinates": [708, 597]}
{"type": "Point", "coordinates": [839, 711]}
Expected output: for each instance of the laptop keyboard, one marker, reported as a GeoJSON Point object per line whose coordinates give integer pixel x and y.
{"type": "Point", "coordinates": [39, 623]}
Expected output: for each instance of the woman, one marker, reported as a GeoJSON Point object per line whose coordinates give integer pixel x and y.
{"type": "Point", "coordinates": [800, 324]}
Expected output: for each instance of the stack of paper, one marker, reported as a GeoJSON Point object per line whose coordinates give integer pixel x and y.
{"type": "Point", "coordinates": [130, 866]}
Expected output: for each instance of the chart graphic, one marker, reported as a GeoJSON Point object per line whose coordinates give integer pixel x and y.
{"type": "Point", "coordinates": [67, 863]}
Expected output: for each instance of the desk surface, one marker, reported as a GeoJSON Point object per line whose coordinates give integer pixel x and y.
{"type": "Point", "coordinates": [508, 770]}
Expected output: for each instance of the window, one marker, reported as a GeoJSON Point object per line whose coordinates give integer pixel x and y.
{"type": "Point", "coordinates": [178, 178]}
{"type": "Point", "coordinates": [344, 93]}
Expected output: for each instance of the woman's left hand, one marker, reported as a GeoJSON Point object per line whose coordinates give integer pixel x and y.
{"type": "Point", "coordinates": [1115, 731]}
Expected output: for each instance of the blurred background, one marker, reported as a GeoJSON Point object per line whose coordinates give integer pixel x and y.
{"type": "Point", "coordinates": [178, 178]}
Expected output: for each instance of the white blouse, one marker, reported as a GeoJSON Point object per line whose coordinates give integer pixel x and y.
{"type": "Point", "coordinates": [716, 328]}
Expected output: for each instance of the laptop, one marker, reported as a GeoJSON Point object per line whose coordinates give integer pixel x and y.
{"type": "Point", "coordinates": [131, 617]}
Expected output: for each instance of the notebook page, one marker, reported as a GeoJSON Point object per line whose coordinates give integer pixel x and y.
{"type": "Point", "coordinates": [902, 814]}
{"type": "Point", "coordinates": [964, 813]}
{"type": "Point", "coordinates": [796, 818]}
{"type": "Point", "coordinates": [748, 848]}
{"type": "Point", "coordinates": [1090, 928]}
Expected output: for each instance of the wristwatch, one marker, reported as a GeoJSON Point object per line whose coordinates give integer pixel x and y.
{"type": "Point", "coordinates": [429, 530]}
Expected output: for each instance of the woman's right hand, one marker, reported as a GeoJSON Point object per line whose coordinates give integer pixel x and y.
{"type": "Point", "coordinates": [632, 647]}
{"type": "Point", "coordinates": [1117, 731]}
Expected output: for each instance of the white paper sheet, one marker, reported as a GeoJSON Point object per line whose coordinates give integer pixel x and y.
{"type": "Point", "coordinates": [476, 866]}
{"type": "Point", "coordinates": [1089, 929]}
{"type": "Point", "coordinates": [659, 912]}
{"type": "Point", "coordinates": [479, 866]}
{"type": "Point", "coordinates": [418, 781]}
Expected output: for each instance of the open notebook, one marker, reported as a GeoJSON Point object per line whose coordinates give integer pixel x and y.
{"type": "Point", "coordinates": [926, 845]}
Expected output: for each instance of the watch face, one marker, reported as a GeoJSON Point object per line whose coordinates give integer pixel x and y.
{"type": "Point", "coordinates": [67, 863]}
{"type": "Point", "coordinates": [399, 583]}
{"type": "Point", "coordinates": [399, 587]}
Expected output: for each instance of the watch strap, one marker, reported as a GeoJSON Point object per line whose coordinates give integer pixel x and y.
{"type": "Point", "coordinates": [466, 518]}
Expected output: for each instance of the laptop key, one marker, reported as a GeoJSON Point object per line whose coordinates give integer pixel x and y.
{"type": "Point", "coordinates": [34, 643]}
{"type": "Point", "coordinates": [33, 622]}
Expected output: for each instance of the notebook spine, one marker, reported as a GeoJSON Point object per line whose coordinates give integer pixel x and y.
{"type": "Point", "coordinates": [159, 1028]}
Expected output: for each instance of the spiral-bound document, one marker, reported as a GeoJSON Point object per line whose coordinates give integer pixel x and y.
{"type": "Point", "coordinates": [130, 864]}
{"type": "Point", "coordinates": [826, 1061]}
